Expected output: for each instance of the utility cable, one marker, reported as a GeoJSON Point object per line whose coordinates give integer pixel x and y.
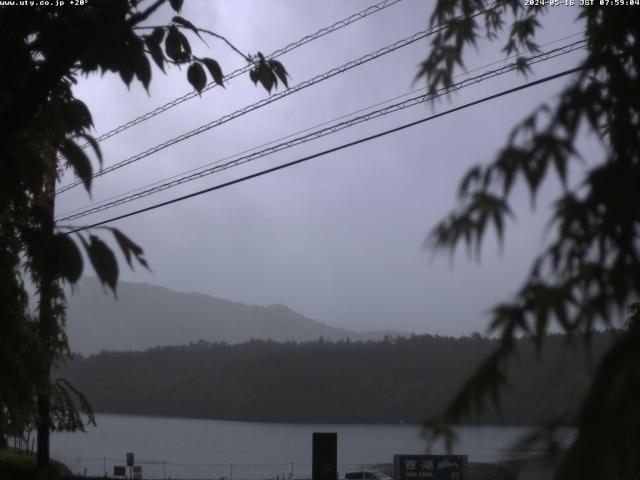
{"type": "Point", "coordinates": [281, 51]}
{"type": "Point", "coordinates": [328, 151]}
{"type": "Point", "coordinates": [266, 101]}
{"type": "Point", "coordinates": [111, 201]}
{"type": "Point", "coordinates": [411, 102]}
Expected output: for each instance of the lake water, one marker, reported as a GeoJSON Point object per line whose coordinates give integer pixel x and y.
{"type": "Point", "coordinates": [192, 448]}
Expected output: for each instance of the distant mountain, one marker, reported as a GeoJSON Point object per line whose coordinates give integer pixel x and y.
{"type": "Point", "coordinates": [145, 316]}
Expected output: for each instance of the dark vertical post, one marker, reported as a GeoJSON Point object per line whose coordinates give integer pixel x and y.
{"type": "Point", "coordinates": [325, 456]}
{"type": "Point", "coordinates": [43, 437]}
{"type": "Point", "coordinates": [46, 324]}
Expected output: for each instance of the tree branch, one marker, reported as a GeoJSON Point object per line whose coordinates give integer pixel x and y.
{"type": "Point", "coordinates": [220, 37]}
{"type": "Point", "coordinates": [209, 32]}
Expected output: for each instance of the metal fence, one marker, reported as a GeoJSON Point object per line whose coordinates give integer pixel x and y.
{"type": "Point", "coordinates": [161, 469]}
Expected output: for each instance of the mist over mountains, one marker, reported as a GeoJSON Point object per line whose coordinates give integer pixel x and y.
{"type": "Point", "coordinates": [145, 316]}
{"type": "Point", "coordinates": [202, 345]}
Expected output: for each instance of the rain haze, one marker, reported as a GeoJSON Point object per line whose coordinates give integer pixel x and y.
{"type": "Point", "coordinates": [338, 238]}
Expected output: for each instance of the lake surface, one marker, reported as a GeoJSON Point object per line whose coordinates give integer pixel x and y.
{"type": "Point", "coordinates": [192, 448]}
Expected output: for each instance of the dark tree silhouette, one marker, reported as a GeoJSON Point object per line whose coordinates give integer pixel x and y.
{"type": "Point", "coordinates": [591, 267]}
{"type": "Point", "coordinates": [42, 129]}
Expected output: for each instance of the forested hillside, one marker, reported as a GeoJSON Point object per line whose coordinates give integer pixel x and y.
{"type": "Point", "coordinates": [396, 380]}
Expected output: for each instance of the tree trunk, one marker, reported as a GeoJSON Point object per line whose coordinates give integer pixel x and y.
{"type": "Point", "coordinates": [47, 324]}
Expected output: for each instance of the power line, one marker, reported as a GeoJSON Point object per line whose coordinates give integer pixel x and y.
{"type": "Point", "coordinates": [416, 100]}
{"type": "Point", "coordinates": [519, 54]}
{"type": "Point", "coordinates": [281, 51]}
{"type": "Point", "coordinates": [276, 96]}
{"type": "Point", "coordinates": [237, 154]}
{"type": "Point", "coordinates": [330, 150]}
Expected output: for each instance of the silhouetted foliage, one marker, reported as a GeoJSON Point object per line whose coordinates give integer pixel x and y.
{"type": "Point", "coordinates": [42, 131]}
{"type": "Point", "coordinates": [591, 267]}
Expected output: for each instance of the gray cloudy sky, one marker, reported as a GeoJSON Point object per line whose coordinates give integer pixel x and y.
{"type": "Point", "coordinates": [338, 238]}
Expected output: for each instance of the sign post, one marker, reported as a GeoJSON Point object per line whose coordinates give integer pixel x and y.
{"type": "Point", "coordinates": [429, 467]}
{"type": "Point", "coordinates": [130, 458]}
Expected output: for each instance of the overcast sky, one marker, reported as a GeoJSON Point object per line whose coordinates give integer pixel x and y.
{"type": "Point", "coordinates": [338, 239]}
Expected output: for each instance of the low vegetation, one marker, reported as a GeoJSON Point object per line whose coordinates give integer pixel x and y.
{"type": "Point", "coordinates": [19, 466]}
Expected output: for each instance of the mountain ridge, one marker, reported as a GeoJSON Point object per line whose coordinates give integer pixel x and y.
{"type": "Point", "coordinates": [146, 315]}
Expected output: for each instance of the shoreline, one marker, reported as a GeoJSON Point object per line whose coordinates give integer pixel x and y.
{"type": "Point", "coordinates": [319, 422]}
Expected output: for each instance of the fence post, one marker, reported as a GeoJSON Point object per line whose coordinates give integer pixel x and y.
{"type": "Point", "coordinates": [104, 465]}
{"type": "Point", "coordinates": [164, 471]}
{"type": "Point", "coordinates": [231, 471]}
{"type": "Point", "coordinates": [291, 477]}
